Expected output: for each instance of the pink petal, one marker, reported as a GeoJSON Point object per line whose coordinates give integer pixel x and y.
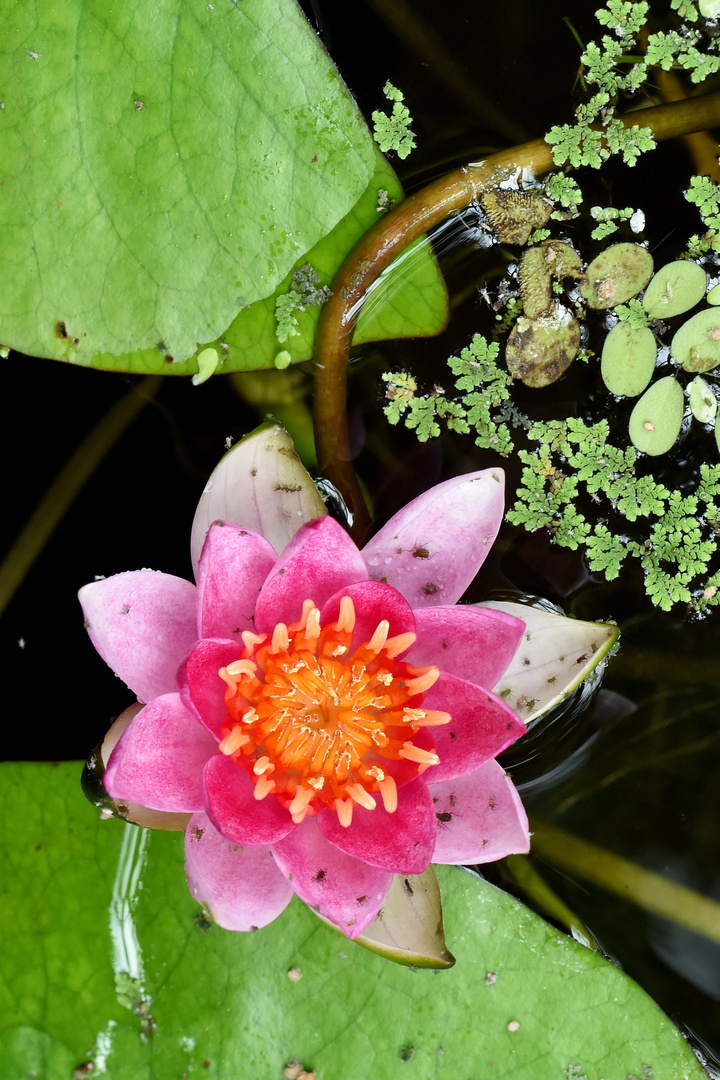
{"type": "Point", "coordinates": [159, 759]}
{"type": "Point", "coordinates": [401, 842]}
{"type": "Point", "coordinates": [480, 817]}
{"type": "Point", "coordinates": [262, 485]}
{"type": "Point", "coordinates": [476, 649]}
{"type": "Point", "coordinates": [234, 810]}
{"type": "Point", "coordinates": [201, 688]}
{"type": "Point", "coordinates": [433, 548]}
{"type": "Point", "coordinates": [143, 625]}
{"type": "Point", "coordinates": [343, 890]}
{"type": "Point", "coordinates": [482, 725]}
{"type": "Point", "coordinates": [373, 603]}
{"type": "Point", "coordinates": [242, 886]}
{"type": "Point", "coordinates": [320, 560]}
{"type": "Point", "coordinates": [130, 811]}
{"type": "Point", "coordinates": [233, 566]}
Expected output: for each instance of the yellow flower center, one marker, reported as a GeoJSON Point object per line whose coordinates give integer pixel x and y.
{"type": "Point", "coordinates": [318, 726]}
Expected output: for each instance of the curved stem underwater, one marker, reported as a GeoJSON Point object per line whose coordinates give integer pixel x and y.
{"type": "Point", "coordinates": [402, 225]}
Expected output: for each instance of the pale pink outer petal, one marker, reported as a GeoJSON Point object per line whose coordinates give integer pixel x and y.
{"type": "Point", "coordinates": [345, 891]}
{"type": "Point", "coordinates": [454, 638]}
{"type": "Point", "coordinates": [233, 566]}
{"type": "Point", "coordinates": [319, 560]}
{"type": "Point", "coordinates": [401, 842]}
{"type": "Point", "coordinates": [262, 485]}
{"type": "Point", "coordinates": [373, 602]}
{"type": "Point", "coordinates": [241, 886]}
{"type": "Point", "coordinates": [234, 810]}
{"type": "Point", "coordinates": [159, 759]}
{"type": "Point", "coordinates": [143, 625]}
{"type": "Point", "coordinates": [130, 811]}
{"type": "Point", "coordinates": [481, 726]}
{"type": "Point", "coordinates": [201, 688]}
{"type": "Point", "coordinates": [432, 549]}
{"type": "Point", "coordinates": [481, 818]}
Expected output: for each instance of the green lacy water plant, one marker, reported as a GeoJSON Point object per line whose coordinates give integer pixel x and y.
{"type": "Point", "coordinates": [584, 488]}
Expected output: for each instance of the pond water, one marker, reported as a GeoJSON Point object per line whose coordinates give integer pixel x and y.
{"type": "Point", "coordinates": [636, 769]}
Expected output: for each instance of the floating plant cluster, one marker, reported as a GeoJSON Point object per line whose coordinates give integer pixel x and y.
{"type": "Point", "coordinates": [586, 489]}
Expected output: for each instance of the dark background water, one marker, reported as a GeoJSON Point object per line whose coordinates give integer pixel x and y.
{"type": "Point", "coordinates": [637, 770]}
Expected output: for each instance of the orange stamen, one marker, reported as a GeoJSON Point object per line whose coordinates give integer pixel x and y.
{"type": "Point", "coordinates": [388, 794]}
{"type": "Point", "coordinates": [318, 723]}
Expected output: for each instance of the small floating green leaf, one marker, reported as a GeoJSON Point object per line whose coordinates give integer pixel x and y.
{"type": "Point", "coordinates": [628, 359]}
{"type": "Point", "coordinates": [656, 419]}
{"type": "Point", "coordinates": [696, 345]}
{"type": "Point", "coordinates": [709, 9]}
{"type": "Point", "coordinates": [675, 288]}
{"type": "Point", "coordinates": [207, 362]}
{"type": "Point", "coordinates": [713, 297]}
{"type": "Point", "coordinates": [703, 402]}
{"type": "Point", "coordinates": [619, 272]}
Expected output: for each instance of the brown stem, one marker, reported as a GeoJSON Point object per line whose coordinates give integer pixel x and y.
{"type": "Point", "coordinates": [403, 224]}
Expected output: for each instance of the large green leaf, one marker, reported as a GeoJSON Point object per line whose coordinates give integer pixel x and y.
{"type": "Point", "coordinates": [163, 164]}
{"type": "Point", "coordinates": [408, 300]}
{"type": "Point", "coordinates": [105, 958]}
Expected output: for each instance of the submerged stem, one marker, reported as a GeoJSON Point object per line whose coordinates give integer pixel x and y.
{"type": "Point", "coordinates": [68, 483]}
{"type": "Point", "coordinates": [410, 219]}
{"type": "Point", "coordinates": [626, 879]}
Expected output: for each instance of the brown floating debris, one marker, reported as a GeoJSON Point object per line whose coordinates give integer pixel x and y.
{"type": "Point", "coordinates": [539, 267]}
{"type": "Point", "coordinates": [513, 215]}
{"type": "Point", "coordinates": [539, 351]}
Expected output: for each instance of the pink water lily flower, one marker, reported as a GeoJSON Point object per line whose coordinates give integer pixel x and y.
{"type": "Point", "coordinates": [322, 713]}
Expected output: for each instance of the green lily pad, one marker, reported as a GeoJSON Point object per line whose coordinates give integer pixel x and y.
{"type": "Point", "coordinates": [703, 402]}
{"type": "Point", "coordinates": [628, 359]}
{"type": "Point", "coordinates": [110, 962]}
{"type": "Point", "coordinates": [696, 345]}
{"type": "Point", "coordinates": [617, 274]}
{"type": "Point", "coordinates": [675, 288]}
{"type": "Point", "coordinates": [408, 300]}
{"type": "Point", "coordinates": [713, 297]}
{"type": "Point", "coordinates": [539, 351]}
{"type": "Point", "coordinates": [709, 9]}
{"type": "Point", "coordinates": [656, 420]}
{"type": "Point", "coordinates": [152, 191]}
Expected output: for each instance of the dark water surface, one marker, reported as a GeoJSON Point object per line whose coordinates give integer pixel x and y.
{"type": "Point", "coordinates": [637, 771]}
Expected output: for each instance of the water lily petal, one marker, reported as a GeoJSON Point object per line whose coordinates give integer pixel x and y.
{"type": "Point", "coordinates": [233, 566]}
{"type": "Point", "coordinates": [480, 817]}
{"type": "Point", "coordinates": [343, 890]}
{"type": "Point", "coordinates": [320, 560]}
{"type": "Point", "coordinates": [482, 725]}
{"type": "Point", "coordinates": [433, 548]}
{"type": "Point", "coordinates": [201, 688]}
{"type": "Point", "coordinates": [158, 761]}
{"type": "Point", "coordinates": [241, 886]}
{"type": "Point", "coordinates": [373, 602]}
{"type": "Point", "coordinates": [234, 810]}
{"type": "Point", "coordinates": [129, 811]}
{"type": "Point", "coordinates": [401, 842]}
{"type": "Point", "coordinates": [143, 625]}
{"type": "Point", "coordinates": [476, 649]}
{"type": "Point", "coordinates": [262, 485]}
